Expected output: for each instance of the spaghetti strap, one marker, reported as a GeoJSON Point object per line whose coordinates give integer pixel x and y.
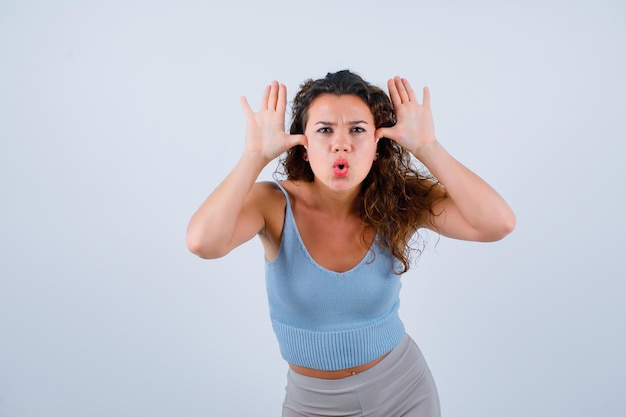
{"type": "Point", "coordinates": [284, 191]}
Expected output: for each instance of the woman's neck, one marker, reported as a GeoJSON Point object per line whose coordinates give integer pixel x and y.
{"type": "Point", "coordinates": [334, 204]}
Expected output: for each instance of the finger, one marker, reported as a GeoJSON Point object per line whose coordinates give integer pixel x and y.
{"type": "Point", "coordinates": [265, 99]}
{"type": "Point", "coordinates": [246, 106]}
{"type": "Point", "coordinates": [409, 90]}
{"type": "Point", "coordinates": [427, 97]}
{"type": "Point", "coordinates": [273, 96]}
{"type": "Point", "coordinates": [404, 95]}
{"type": "Point", "coordinates": [296, 140]}
{"type": "Point", "coordinates": [382, 132]}
{"type": "Point", "coordinates": [281, 104]}
{"type": "Point", "coordinates": [393, 93]}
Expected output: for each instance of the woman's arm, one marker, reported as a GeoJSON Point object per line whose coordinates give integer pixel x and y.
{"type": "Point", "coordinates": [234, 212]}
{"type": "Point", "coordinates": [231, 214]}
{"type": "Point", "coordinates": [472, 210]}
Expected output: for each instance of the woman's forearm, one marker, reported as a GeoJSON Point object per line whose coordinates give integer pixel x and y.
{"type": "Point", "coordinates": [212, 227]}
{"type": "Point", "coordinates": [479, 204]}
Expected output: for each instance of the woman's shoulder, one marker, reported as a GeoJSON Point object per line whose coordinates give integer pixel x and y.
{"type": "Point", "coordinates": [267, 192]}
{"type": "Point", "coordinates": [271, 199]}
{"type": "Point", "coordinates": [266, 187]}
{"type": "Point", "coordinates": [274, 189]}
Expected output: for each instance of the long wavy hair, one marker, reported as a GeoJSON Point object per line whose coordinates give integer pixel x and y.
{"type": "Point", "coordinates": [396, 197]}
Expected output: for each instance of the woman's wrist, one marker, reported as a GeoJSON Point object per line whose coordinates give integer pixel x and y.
{"type": "Point", "coordinates": [255, 158]}
{"type": "Point", "coordinates": [427, 151]}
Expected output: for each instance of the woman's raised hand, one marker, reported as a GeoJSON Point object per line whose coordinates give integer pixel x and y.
{"type": "Point", "coordinates": [265, 130]}
{"type": "Point", "coordinates": [414, 129]}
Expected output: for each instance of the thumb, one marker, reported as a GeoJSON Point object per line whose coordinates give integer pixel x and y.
{"type": "Point", "coordinates": [294, 140]}
{"type": "Point", "coordinates": [246, 107]}
{"type": "Point", "coordinates": [383, 132]}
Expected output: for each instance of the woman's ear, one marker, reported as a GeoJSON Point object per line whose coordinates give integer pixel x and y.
{"type": "Point", "coordinates": [305, 145]}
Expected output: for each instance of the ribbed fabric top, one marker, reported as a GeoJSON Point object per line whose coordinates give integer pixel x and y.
{"type": "Point", "coordinates": [331, 320]}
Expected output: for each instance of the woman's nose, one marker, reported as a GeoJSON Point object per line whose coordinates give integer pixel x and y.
{"type": "Point", "coordinates": [342, 144]}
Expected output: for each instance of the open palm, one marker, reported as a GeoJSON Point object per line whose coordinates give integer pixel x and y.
{"type": "Point", "coordinates": [265, 130]}
{"type": "Point", "coordinates": [414, 128]}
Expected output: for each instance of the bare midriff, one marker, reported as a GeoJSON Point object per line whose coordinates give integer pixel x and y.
{"type": "Point", "coordinates": [341, 373]}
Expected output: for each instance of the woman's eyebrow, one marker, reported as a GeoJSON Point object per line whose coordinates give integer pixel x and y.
{"type": "Point", "coordinates": [353, 122]}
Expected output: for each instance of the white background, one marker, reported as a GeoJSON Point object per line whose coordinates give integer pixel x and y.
{"type": "Point", "coordinates": [118, 118]}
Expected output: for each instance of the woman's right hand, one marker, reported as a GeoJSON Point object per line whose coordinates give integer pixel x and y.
{"type": "Point", "coordinates": [265, 130]}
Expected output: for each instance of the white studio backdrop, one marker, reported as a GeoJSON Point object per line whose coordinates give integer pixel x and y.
{"type": "Point", "coordinates": [118, 118]}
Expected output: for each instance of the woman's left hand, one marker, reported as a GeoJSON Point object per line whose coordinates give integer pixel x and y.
{"type": "Point", "coordinates": [472, 210]}
{"type": "Point", "coordinates": [414, 129]}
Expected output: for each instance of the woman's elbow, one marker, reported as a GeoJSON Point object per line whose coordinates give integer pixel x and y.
{"type": "Point", "coordinates": [503, 227]}
{"type": "Point", "coordinates": [510, 223]}
{"type": "Point", "coordinates": [203, 249]}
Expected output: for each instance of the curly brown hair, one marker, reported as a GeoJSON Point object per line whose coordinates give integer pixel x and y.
{"type": "Point", "coordinates": [396, 198]}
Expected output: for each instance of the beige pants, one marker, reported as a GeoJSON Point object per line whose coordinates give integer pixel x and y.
{"type": "Point", "coordinates": [400, 385]}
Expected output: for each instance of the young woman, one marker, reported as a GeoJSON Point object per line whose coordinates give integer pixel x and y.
{"type": "Point", "coordinates": [338, 232]}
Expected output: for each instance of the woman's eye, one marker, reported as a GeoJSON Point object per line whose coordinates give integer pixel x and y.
{"type": "Point", "coordinates": [324, 130]}
{"type": "Point", "coordinates": [357, 129]}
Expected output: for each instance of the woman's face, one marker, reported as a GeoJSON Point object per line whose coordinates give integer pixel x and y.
{"type": "Point", "coordinates": [340, 140]}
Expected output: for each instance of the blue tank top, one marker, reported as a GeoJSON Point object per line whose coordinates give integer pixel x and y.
{"type": "Point", "coordinates": [331, 320]}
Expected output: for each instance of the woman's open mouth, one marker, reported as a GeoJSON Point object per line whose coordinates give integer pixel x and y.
{"type": "Point", "coordinates": [340, 167]}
